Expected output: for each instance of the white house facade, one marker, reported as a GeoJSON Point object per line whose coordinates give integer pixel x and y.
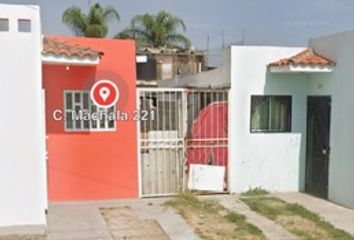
{"type": "Point", "coordinates": [22, 139]}
{"type": "Point", "coordinates": [290, 116]}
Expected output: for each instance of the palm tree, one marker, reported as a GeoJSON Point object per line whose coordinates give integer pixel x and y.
{"type": "Point", "coordinates": [160, 30]}
{"type": "Point", "coordinates": [94, 24]}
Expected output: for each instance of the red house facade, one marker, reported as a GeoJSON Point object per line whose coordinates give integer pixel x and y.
{"type": "Point", "coordinates": [89, 159]}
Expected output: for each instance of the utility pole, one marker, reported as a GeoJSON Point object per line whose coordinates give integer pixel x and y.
{"type": "Point", "coordinates": [208, 42]}
{"type": "Point", "coordinates": [243, 36]}
{"type": "Point", "coordinates": [207, 50]}
{"type": "Point", "coordinates": [223, 38]}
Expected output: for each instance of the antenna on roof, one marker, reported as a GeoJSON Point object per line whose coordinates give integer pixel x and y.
{"type": "Point", "coordinates": [223, 38]}
{"type": "Point", "coordinates": [208, 42]}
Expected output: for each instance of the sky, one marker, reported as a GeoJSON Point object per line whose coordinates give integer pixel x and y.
{"type": "Point", "coordinates": [254, 22]}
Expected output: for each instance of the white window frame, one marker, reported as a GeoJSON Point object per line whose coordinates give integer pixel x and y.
{"type": "Point", "coordinates": [98, 128]}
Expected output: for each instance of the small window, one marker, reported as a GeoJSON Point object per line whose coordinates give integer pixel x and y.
{"type": "Point", "coordinates": [4, 25]}
{"type": "Point", "coordinates": [166, 71]}
{"type": "Point", "coordinates": [270, 113]}
{"type": "Point", "coordinates": [24, 25]}
{"type": "Point", "coordinates": [81, 114]}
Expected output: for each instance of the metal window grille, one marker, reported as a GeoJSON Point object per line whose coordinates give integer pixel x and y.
{"type": "Point", "coordinates": [77, 104]}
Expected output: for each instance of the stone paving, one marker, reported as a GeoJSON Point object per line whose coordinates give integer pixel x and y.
{"type": "Point", "coordinates": [340, 217]}
{"type": "Point", "coordinates": [83, 220]}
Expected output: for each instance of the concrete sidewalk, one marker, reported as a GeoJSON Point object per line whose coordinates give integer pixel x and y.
{"type": "Point", "coordinates": [83, 220]}
{"type": "Point", "coordinates": [340, 217]}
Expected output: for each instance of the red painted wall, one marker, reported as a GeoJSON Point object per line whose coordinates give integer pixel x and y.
{"type": "Point", "coordinates": [92, 165]}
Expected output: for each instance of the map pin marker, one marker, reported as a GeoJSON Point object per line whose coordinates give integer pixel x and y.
{"type": "Point", "coordinates": [104, 93]}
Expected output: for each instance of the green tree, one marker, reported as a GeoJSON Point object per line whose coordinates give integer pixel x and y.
{"type": "Point", "coordinates": [94, 24]}
{"type": "Point", "coordinates": [157, 30]}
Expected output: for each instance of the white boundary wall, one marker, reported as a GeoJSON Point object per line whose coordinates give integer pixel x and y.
{"type": "Point", "coordinates": [23, 194]}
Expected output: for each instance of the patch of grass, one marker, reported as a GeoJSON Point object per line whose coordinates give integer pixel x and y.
{"type": "Point", "coordinates": [299, 210]}
{"type": "Point", "coordinates": [302, 234]}
{"type": "Point", "coordinates": [296, 219]}
{"type": "Point", "coordinates": [212, 221]}
{"type": "Point", "coordinates": [240, 220]}
{"type": "Point", "coordinates": [208, 206]}
{"type": "Point", "coordinates": [268, 207]}
{"type": "Point", "coordinates": [235, 218]}
{"type": "Point", "coordinates": [253, 192]}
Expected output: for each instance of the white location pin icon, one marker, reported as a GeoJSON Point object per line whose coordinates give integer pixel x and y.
{"type": "Point", "coordinates": [104, 93]}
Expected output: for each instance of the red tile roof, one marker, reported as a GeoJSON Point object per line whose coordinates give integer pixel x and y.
{"type": "Point", "coordinates": [53, 46]}
{"type": "Point", "coordinates": [306, 57]}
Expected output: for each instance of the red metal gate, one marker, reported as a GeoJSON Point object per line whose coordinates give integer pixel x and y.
{"type": "Point", "coordinates": [207, 131]}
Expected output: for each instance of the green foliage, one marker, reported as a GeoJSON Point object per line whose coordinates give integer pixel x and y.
{"type": "Point", "coordinates": [235, 218]}
{"type": "Point", "coordinates": [188, 199]}
{"type": "Point", "coordinates": [255, 192]}
{"type": "Point", "coordinates": [157, 30]}
{"type": "Point", "coordinates": [94, 24]}
{"type": "Point", "coordinates": [268, 207]}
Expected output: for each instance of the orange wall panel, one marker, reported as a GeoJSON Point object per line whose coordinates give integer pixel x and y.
{"type": "Point", "coordinates": [92, 165]}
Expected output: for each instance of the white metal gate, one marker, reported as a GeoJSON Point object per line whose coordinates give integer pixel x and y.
{"type": "Point", "coordinates": [183, 127]}
{"type": "Point", "coordinates": [161, 141]}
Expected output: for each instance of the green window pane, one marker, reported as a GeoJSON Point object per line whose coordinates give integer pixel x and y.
{"type": "Point", "coordinates": [85, 100]}
{"type": "Point", "coordinates": [86, 124]}
{"type": "Point", "coordinates": [77, 97]}
{"type": "Point", "coordinates": [69, 120]}
{"type": "Point", "coordinates": [69, 100]}
{"type": "Point", "coordinates": [271, 113]}
{"type": "Point", "coordinates": [4, 25]}
{"type": "Point", "coordinates": [260, 114]}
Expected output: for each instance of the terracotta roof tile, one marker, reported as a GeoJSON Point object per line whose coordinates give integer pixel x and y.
{"type": "Point", "coordinates": [306, 57]}
{"type": "Point", "coordinates": [53, 46]}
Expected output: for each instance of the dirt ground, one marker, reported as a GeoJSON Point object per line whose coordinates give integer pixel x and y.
{"type": "Point", "coordinates": [23, 237]}
{"type": "Point", "coordinates": [124, 224]}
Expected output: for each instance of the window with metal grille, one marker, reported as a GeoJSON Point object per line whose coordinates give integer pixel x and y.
{"type": "Point", "coordinates": [270, 113]}
{"type": "Point", "coordinates": [81, 114]}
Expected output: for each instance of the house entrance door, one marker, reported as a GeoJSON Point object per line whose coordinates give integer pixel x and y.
{"type": "Point", "coordinates": [318, 149]}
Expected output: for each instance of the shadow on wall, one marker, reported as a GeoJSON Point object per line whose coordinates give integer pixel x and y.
{"type": "Point", "coordinates": [295, 86]}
